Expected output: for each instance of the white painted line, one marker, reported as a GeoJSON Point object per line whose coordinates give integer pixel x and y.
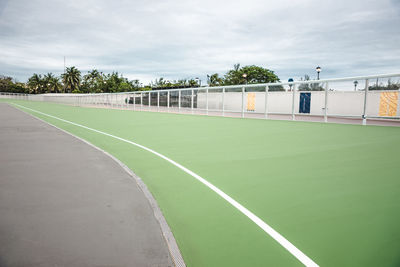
{"type": "Point", "coordinates": [268, 229]}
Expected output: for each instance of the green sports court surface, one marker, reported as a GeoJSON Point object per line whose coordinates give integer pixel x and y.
{"type": "Point", "coordinates": [332, 190]}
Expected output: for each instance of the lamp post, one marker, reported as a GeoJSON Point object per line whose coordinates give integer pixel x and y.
{"type": "Point", "coordinates": [318, 69]}
{"type": "Point", "coordinates": [355, 85]}
{"type": "Point", "coordinates": [245, 77]}
{"type": "Point", "coordinates": [290, 85]}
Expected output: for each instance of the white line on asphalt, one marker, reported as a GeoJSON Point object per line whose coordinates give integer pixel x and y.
{"type": "Point", "coordinates": [268, 229]}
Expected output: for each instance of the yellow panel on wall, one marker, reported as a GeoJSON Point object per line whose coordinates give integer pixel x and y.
{"type": "Point", "coordinates": [251, 102]}
{"type": "Point", "coordinates": [388, 104]}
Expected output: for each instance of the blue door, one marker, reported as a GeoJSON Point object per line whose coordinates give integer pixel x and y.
{"type": "Point", "coordinates": [305, 101]}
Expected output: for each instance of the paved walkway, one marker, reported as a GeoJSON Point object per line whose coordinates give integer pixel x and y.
{"type": "Point", "coordinates": [65, 203]}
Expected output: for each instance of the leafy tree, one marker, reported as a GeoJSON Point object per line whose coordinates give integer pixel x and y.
{"type": "Point", "coordinates": [18, 87]}
{"type": "Point", "coordinates": [5, 84]}
{"type": "Point", "coordinates": [162, 83]}
{"type": "Point", "coordinates": [115, 83]}
{"type": "Point", "coordinates": [8, 84]}
{"type": "Point", "coordinates": [254, 74]}
{"type": "Point", "coordinates": [71, 79]}
{"type": "Point", "coordinates": [92, 82]}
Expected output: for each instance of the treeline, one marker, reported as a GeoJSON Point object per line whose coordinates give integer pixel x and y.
{"type": "Point", "coordinates": [72, 81]}
{"type": "Point", "coordinates": [238, 75]}
{"type": "Point", "coordinates": [389, 86]}
{"type": "Point", "coordinates": [8, 84]}
{"type": "Point", "coordinates": [94, 81]}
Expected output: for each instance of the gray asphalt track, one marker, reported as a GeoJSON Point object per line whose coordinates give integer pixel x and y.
{"type": "Point", "coordinates": [65, 203]}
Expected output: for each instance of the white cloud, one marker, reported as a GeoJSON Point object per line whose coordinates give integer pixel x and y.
{"type": "Point", "coordinates": [181, 39]}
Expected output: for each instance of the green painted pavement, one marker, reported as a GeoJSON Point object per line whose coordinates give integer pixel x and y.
{"type": "Point", "coordinates": [332, 190]}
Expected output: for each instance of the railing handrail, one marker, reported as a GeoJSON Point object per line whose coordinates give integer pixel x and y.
{"type": "Point", "coordinates": [272, 84]}
{"type": "Point", "coordinates": [268, 84]}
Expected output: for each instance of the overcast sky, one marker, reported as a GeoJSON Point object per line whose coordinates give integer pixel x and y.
{"type": "Point", "coordinates": [145, 39]}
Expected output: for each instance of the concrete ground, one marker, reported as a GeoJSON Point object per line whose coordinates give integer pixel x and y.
{"type": "Point", "coordinates": [65, 203]}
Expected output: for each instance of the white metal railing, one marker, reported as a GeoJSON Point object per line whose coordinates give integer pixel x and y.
{"type": "Point", "coordinates": [340, 97]}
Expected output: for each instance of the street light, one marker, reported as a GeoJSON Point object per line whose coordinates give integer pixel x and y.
{"type": "Point", "coordinates": [355, 85]}
{"type": "Point", "coordinates": [318, 69]}
{"type": "Point", "coordinates": [245, 77]}
{"type": "Point", "coordinates": [290, 85]}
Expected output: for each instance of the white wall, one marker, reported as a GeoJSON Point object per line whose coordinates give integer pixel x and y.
{"type": "Point", "coordinates": [339, 102]}
{"type": "Point", "coordinates": [347, 103]}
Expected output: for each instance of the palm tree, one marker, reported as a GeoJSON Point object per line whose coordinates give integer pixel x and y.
{"type": "Point", "coordinates": [71, 79]}
{"type": "Point", "coordinates": [192, 83]}
{"type": "Point", "coordinates": [135, 84]}
{"type": "Point", "coordinates": [215, 80]}
{"type": "Point", "coordinates": [35, 83]}
{"type": "Point", "coordinates": [51, 83]}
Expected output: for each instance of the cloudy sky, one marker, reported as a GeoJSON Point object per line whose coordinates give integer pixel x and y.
{"type": "Point", "coordinates": [145, 39]}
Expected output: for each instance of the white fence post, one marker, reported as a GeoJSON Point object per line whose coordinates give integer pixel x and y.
{"type": "Point", "coordinates": [364, 116]}
{"type": "Point", "coordinates": [149, 100]}
{"type": "Point", "coordinates": [243, 101]}
{"type": "Point", "coordinates": [192, 100]}
{"type": "Point", "coordinates": [179, 100]}
{"type": "Point", "coordinates": [326, 102]}
{"type": "Point", "coordinates": [168, 96]}
{"type": "Point", "coordinates": [266, 102]}
{"type": "Point", "coordinates": [207, 101]}
{"type": "Point", "coordinates": [293, 95]}
{"type": "Point", "coordinates": [158, 101]}
{"type": "Point", "coordinates": [223, 101]}
{"type": "Point", "coordinates": [141, 100]}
